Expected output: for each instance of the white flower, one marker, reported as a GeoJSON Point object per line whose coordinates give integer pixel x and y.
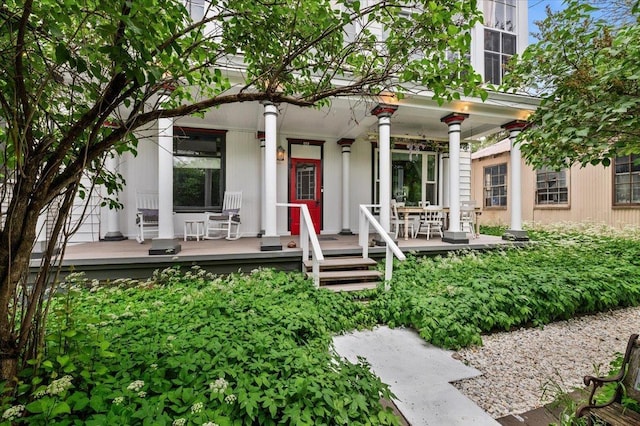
{"type": "Point", "coordinates": [197, 407]}
{"type": "Point", "coordinates": [158, 303]}
{"type": "Point", "coordinates": [179, 422]}
{"type": "Point", "coordinates": [13, 412]}
{"type": "Point", "coordinates": [219, 386]}
{"type": "Point", "coordinates": [118, 400]}
{"type": "Point", "coordinates": [209, 424]}
{"type": "Point", "coordinates": [58, 386]}
{"type": "Point", "coordinates": [154, 366]}
{"type": "Point", "coordinates": [171, 338]}
{"type": "Point", "coordinates": [135, 385]}
{"type": "Point", "coordinates": [230, 399]}
{"type": "Point", "coordinates": [142, 394]}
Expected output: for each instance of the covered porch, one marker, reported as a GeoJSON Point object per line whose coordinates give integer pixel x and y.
{"type": "Point", "coordinates": [110, 260]}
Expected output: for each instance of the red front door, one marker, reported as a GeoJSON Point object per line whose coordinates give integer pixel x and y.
{"type": "Point", "coordinates": [305, 187]}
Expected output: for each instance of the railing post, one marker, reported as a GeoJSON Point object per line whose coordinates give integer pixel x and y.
{"type": "Point", "coordinates": [388, 268]}
{"type": "Point", "coordinates": [304, 237]}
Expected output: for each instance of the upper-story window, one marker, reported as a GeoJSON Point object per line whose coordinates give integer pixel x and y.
{"type": "Point", "coordinates": [196, 9]}
{"type": "Point", "coordinates": [499, 37]}
{"type": "Point", "coordinates": [495, 185]}
{"type": "Point", "coordinates": [627, 180]}
{"type": "Point", "coordinates": [551, 187]}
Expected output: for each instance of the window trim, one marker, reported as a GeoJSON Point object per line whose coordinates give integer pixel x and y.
{"type": "Point", "coordinates": [506, 187]}
{"type": "Point", "coordinates": [550, 206]}
{"type": "Point", "coordinates": [614, 204]}
{"type": "Point", "coordinates": [223, 166]}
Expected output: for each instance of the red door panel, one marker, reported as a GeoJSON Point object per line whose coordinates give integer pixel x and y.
{"type": "Point", "coordinates": [305, 187]}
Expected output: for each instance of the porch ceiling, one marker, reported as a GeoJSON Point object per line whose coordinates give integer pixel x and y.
{"type": "Point", "coordinates": [416, 117]}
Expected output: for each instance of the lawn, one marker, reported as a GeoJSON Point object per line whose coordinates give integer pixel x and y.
{"type": "Point", "coordinates": [187, 348]}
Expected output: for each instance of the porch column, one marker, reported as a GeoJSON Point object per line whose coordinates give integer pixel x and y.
{"type": "Point", "coordinates": [270, 238]}
{"type": "Point", "coordinates": [346, 182]}
{"type": "Point", "coordinates": [384, 113]}
{"type": "Point", "coordinates": [165, 243]}
{"type": "Point", "coordinates": [113, 222]}
{"type": "Point", "coordinates": [454, 234]}
{"type": "Point", "coordinates": [515, 182]}
{"type": "Point", "coordinates": [260, 137]}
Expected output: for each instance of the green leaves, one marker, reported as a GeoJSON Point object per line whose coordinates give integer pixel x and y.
{"type": "Point", "coordinates": [582, 70]}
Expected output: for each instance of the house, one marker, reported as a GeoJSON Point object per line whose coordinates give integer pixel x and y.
{"type": "Point", "coordinates": [354, 152]}
{"type": "Point", "coordinates": [598, 194]}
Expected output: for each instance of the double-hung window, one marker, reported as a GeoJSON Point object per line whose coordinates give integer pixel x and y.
{"type": "Point", "coordinates": [551, 187]}
{"type": "Point", "coordinates": [627, 180]}
{"type": "Point", "coordinates": [198, 169]}
{"type": "Point", "coordinates": [499, 38]}
{"type": "Point", "coordinates": [196, 9]}
{"type": "Point", "coordinates": [495, 185]}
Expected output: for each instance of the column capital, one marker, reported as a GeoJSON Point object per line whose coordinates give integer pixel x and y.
{"type": "Point", "coordinates": [260, 135]}
{"type": "Point", "coordinates": [384, 110]}
{"type": "Point", "coordinates": [345, 141]}
{"type": "Point", "coordinates": [454, 118]}
{"type": "Point", "coordinates": [517, 125]}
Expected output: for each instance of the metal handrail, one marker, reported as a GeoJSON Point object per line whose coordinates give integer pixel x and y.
{"type": "Point", "coordinates": [308, 234]}
{"type": "Point", "coordinates": [367, 219]}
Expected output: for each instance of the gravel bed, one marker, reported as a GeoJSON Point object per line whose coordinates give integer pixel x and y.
{"type": "Point", "coordinates": [524, 369]}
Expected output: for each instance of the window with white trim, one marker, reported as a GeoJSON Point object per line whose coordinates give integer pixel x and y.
{"type": "Point", "coordinates": [500, 42]}
{"type": "Point", "coordinates": [627, 180]}
{"type": "Point", "coordinates": [551, 187]}
{"type": "Point", "coordinates": [196, 9]}
{"type": "Point", "coordinates": [495, 185]}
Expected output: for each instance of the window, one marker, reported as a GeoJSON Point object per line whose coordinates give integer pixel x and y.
{"type": "Point", "coordinates": [198, 169]}
{"type": "Point", "coordinates": [196, 9]}
{"type": "Point", "coordinates": [413, 177]}
{"type": "Point", "coordinates": [495, 186]}
{"type": "Point", "coordinates": [551, 187]}
{"type": "Point", "coordinates": [499, 38]}
{"type": "Point", "coordinates": [627, 180]}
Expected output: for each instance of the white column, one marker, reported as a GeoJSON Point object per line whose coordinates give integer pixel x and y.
{"type": "Point", "coordinates": [384, 113]}
{"type": "Point", "coordinates": [454, 234]}
{"type": "Point", "coordinates": [113, 222]}
{"type": "Point", "coordinates": [346, 183]}
{"type": "Point", "coordinates": [165, 243]}
{"type": "Point", "coordinates": [260, 136]}
{"type": "Point", "coordinates": [165, 178]}
{"type": "Point", "coordinates": [270, 239]}
{"type": "Point", "coordinates": [515, 182]}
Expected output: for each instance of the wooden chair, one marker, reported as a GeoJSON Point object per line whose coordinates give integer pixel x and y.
{"type": "Point", "coordinates": [146, 214]}
{"type": "Point", "coordinates": [468, 217]}
{"type": "Point", "coordinates": [227, 223]}
{"type": "Point", "coordinates": [626, 382]}
{"type": "Point", "coordinates": [431, 221]}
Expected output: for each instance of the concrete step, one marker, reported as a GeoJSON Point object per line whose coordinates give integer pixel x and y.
{"type": "Point", "coordinates": [342, 263]}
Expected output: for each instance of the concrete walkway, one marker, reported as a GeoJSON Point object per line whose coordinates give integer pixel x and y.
{"type": "Point", "coordinates": [418, 374]}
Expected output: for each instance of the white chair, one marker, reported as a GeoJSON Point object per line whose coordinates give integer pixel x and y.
{"type": "Point", "coordinates": [468, 217]}
{"type": "Point", "coordinates": [432, 221]}
{"type": "Point", "coordinates": [397, 223]}
{"type": "Point", "coordinates": [146, 214]}
{"type": "Point", "coordinates": [227, 223]}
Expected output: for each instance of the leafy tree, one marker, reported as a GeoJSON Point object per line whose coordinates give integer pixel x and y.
{"type": "Point", "coordinates": [586, 69]}
{"type": "Point", "coordinates": [69, 67]}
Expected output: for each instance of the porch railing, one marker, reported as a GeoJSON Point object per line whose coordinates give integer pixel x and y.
{"type": "Point", "coordinates": [366, 220]}
{"type": "Point", "coordinates": [308, 235]}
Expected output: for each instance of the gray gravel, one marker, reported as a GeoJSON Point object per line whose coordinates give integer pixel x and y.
{"type": "Point", "coordinates": [524, 369]}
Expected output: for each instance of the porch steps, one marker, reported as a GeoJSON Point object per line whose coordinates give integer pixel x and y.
{"type": "Point", "coordinates": [347, 273]}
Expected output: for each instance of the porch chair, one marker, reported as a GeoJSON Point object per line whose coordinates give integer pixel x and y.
{"type": "Point", "coordinates": [146, 214]}
{"type": "Point", "coordinates": [468, 217]}
{"type": "Point", "coordinates": [397, 223]}
{"type": "Point", "coordinates": [432, 221]}
{"type": "Point", "coordinates": [227, 223]}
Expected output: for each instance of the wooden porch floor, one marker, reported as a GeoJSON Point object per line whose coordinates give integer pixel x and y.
{"type": "Point", "coordinates": [122, 259]}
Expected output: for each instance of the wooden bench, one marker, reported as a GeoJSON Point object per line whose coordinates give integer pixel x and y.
{"type": "Point", "coordinates": [146, 214]}
{"type": "Point", "coordinates": [626, 382]}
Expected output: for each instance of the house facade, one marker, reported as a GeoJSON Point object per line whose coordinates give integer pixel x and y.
{"type": "Point", "coordinates": [354, 152]}
{"type": "Point", "coordinates": [594, 194]}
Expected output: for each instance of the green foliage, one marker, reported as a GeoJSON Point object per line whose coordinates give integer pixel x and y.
{"type": "Point", "coordinates": [584, 68]}
{"type": "Point", "coordinates": [235, 350]}
{"type": "Point", "coordinates": [452, 300]}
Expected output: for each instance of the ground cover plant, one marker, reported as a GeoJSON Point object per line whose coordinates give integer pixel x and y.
{"type": "Point", "coordinates": [187, 348]}
{"type": "Point", "coordinates": [451, 300]}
